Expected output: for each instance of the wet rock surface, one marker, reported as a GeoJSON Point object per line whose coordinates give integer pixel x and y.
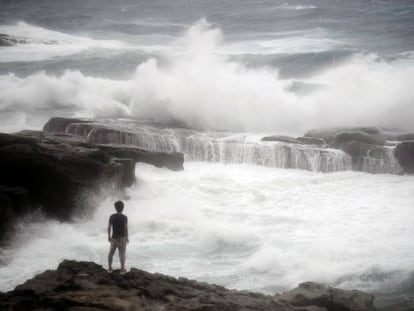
{"type": "Point", "coordinates": [405, 155]}
{"type": "Point", "coordinates": [372, 149]}
{"type": "Point", "coordinates": [87, 286]}
{"type": "Point", "coordinates": [59, 125]}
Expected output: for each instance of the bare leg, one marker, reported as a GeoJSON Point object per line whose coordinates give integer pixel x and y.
{"type": "Point", "coordinates": [111, 255]}
{"type": "Point", "coordinates": [122, 257]}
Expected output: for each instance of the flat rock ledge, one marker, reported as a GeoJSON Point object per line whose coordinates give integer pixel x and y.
{"type": "Point", "coordinates": [86, 286]}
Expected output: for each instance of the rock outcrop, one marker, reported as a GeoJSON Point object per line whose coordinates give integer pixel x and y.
{"type": "Point", "coordinates": [14, 202]}
{"type": "Point", "coordinates": [332, 299]}
{"type": "Point", "coordinates": [61, 173]}
{"type": "Point", "coordinates": [56, 176]}
{"type": "Point", "coordinates": [6, 40]}
{"type": "Point", "coordinates": [87, 286]}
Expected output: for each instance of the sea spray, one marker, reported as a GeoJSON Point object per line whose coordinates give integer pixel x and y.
{"type": "Point", "coordinates": [244, 227]}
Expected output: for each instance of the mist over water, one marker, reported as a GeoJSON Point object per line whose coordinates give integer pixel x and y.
{"type": "Point", "coordinates": [252, 68]}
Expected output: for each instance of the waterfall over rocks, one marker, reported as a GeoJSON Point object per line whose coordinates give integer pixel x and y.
{"type": "Point", "coordinates": [221, 147]}
{"type": "Point", "coordinates": [228, 147]}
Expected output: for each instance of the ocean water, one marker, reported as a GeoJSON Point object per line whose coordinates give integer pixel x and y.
{"type": "Point", "coordinates": [256, 67]}
{"type": "Point", "coordinates": [284, 66]}
{"type": "Point", "coordinates": [241, 226]}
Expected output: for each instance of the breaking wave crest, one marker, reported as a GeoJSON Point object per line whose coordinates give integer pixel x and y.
{"type": "Point", "coordinates": [202, 88]}
{"type": "Point", "coordinates": [31, 43]}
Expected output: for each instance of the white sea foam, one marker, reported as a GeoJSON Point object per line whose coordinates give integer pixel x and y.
{"type": "Point", "coordinates": [296, 7]}
{"type": "Point", "coordinates": [43, 44]}
{"type": "Point", "coordinates": [204, 89]}
{"type": "Point", "coordinates": [244, 227]}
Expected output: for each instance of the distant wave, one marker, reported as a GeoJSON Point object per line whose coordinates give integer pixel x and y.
{"type": "Point", "coordinates": [204, 89]}
{"type": "Point", "coordinates": [297, 7]}
{"type": "Point", "coordinates": [33, 43]}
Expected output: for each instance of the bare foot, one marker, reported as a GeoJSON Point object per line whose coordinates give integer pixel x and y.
{"type": "Point", "coordinates": [110, 270]}
{"type": "Point", "coordinates": [122, 272]}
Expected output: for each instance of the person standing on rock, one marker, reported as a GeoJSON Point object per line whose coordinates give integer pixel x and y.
{"type": "Point", "coordinates": [118, 222]}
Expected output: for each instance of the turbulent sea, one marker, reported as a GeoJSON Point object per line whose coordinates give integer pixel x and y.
{"type": "Point", "coordinates": [250, 68]}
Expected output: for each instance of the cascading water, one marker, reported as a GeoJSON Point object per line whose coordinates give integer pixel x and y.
{"type": "Point", "coordinates": [216, 146]}
{"type": "Point", "coordinates": [381, 161]}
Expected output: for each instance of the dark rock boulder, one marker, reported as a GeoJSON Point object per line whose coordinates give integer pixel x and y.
{"type": "Point", "coordinates": [87, 286]}
{"type": "Point", "coordinates": [332, 299]}
{"type": "Point", "coordinates": [361, 136]}
{"type": "Point", "coordinates": [56, 176]}
{"type": "Point", "coordinates": [14, 202]}
{"type": "Point", "coordinates": [63, 173]}
{"type": "Point", "coordinates": [404, 152]}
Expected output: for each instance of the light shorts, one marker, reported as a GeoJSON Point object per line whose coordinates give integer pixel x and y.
{"type": "Point", "coordinates": [119, 243]}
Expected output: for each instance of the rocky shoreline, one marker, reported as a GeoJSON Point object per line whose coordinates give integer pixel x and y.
{"type": "Point", "coordinates": [87, 286]}
{"type": "Point", "coordinates": [73, 164]}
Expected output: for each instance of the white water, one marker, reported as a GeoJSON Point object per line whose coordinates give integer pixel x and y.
{"type": "Point", "coordinates": [244, 227]}
{"type": "Point", "coordinates": [224, 147]}
{"type": "Point", "coordinates": [43, 44]}
{"type": "Point", "coordinates": [202, 88]}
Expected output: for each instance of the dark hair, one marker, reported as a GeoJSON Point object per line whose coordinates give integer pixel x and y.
{"type": "Point", "coordinates": [119, 206]}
